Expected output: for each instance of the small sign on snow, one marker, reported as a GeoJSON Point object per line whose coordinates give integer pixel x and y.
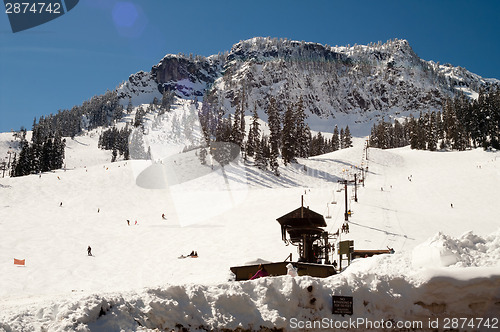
{"type": "Point", "coordinates": [342, 305]}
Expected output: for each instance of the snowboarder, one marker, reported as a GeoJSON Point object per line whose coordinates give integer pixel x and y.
{"type": "Point", "coordinates": [89, 251]}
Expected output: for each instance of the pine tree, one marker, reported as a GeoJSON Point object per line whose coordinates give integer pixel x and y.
{"type": "Point", "coordinates": [139, 115]}
{"type": "Point", "coordinates": [253, 134]}
{"type": "Point", "coordinates": [335, 139]}
{"type": "Point", "coordinates": [262, 153]}
{"type": "Point", "coordinates": [347, 137]}
{"type": "Point", "coordinates": [432, 138]}
{"type": "Point", "coordinates": [275, 133]}
{"type": "Point", "coordinates": [413, 131]}
{"type": "Point", "coordinates": [303, 133]}
{"type": "Point", "coordinates": [237, 135]}
{"type": "Point", "coordinates": [167, 100]}
{"type": "Point", "coordinates": [288, 136]}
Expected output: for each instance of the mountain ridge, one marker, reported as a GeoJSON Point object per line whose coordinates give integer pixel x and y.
{"type": "Point", "coordinates": [347, 84]}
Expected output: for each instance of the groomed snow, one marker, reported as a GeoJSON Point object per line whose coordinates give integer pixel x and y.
{"type": "Point", "coordinates": [446, 262]}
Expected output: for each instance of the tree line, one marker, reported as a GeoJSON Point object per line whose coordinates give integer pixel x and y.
{"type": "Point", "coordinates": [462, 124]}
{"type": "Point", "coordinates": [44, 153]}
{"type": "Point", "coordinates": [289, 136]}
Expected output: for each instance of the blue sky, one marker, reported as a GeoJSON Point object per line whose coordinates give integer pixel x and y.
{"type": "Point", "coordinates": [100, 43]}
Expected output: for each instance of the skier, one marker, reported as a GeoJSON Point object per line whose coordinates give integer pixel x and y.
{"type": "Point", "coordinates": [452, 205]}
{"type": "Point", "coordinates": [128, 222]}
{"type": "Point", "coordinates": [163, 216]}
{"type": "Point", "coordinates": [60, 204]}
{"type": "Point", "coordinates": [89, 251]}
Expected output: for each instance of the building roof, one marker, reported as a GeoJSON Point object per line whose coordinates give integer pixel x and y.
{"type": "Point", "coordinates": [302, 217]}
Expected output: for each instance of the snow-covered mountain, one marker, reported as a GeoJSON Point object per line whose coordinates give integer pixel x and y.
{"type": "Point", "coordinates": [438, 210]}
{"type": "Point", "coordinates": [354, 85]}
{"type": "Point", "coordinates": [446, 263]}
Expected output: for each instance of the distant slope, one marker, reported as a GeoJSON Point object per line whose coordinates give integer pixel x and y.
{"type": "Point", "coordinates": [230, 219]}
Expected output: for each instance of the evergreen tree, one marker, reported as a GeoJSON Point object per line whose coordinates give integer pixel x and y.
{"type": "Point", "coordinates": [303, 133]}
{"type": "Point", "coordinates": [139, 117]}
{"type": "Point", "coordinates": [335, 139]}
{"type": "Point", "coordinates": [262, 153]}
{"type": "Point", "coordinates": [167, 100]}
{"type": "Point", "coordinates": [347, 137]}
{"type": "Point", "coordinates": [288, 136]}
{"type": "Point", "coordinates": [237, 135]}
{"type": "Point", "coordinates": [114, 155]}
{"type": "Point", "coordinates": [275, 132]}
{"type": "Point", "coordinates": [432, 132]}
{"type": "Point", "coordinates": [253, 135]}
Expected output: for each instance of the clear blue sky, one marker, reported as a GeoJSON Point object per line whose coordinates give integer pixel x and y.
{"type": "Point", "coordinates": [100, 43]}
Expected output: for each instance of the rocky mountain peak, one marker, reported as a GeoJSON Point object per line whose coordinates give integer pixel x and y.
{"type": "Point", "coordinates": [362, 81]}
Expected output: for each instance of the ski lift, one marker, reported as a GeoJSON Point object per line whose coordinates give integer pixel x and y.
{"type": "Point", "coordinates": [334, 201]}
{"type": "Point", "coordinates": [328, 216]}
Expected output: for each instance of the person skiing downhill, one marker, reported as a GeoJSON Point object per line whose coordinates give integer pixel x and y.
{"type": "Point", "coordinates": [89, 251]}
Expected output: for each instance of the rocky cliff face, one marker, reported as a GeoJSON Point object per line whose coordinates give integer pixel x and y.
{"type": "Point", "coordinates": [362, 81]}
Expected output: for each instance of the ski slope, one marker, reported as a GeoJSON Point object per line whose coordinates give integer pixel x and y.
{"type": "Point", "coordinates": [134, 281]}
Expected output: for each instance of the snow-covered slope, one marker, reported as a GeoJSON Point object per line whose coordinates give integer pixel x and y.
{"type": "Point", "coordinates": [446, 261]}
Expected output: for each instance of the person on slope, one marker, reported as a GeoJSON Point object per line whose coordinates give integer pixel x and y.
{"type": "Point", "coordinates": [261, 272]}
{"type": "Point", "coordinates": [89, 251]}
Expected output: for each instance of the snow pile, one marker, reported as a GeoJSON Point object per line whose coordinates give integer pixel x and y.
{"type": "Point", "coordinates": [466, 251]}
{"type": "Point", "coordinates": [274, 302]}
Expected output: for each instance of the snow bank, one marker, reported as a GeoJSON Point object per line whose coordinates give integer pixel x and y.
{"type": "Point", "coordinates": [274, 302]}
{"type": "Point", "coordinates": [466, 251]}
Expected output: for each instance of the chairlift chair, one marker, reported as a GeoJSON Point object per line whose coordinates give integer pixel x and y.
{"type": "Point", "coordinates": [334, 201]}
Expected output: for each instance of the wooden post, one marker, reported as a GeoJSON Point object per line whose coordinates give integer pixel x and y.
{"type": "Point", "coordinates": [355, 188]}
{"type": "Point", "coordinates": [346, 215]}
